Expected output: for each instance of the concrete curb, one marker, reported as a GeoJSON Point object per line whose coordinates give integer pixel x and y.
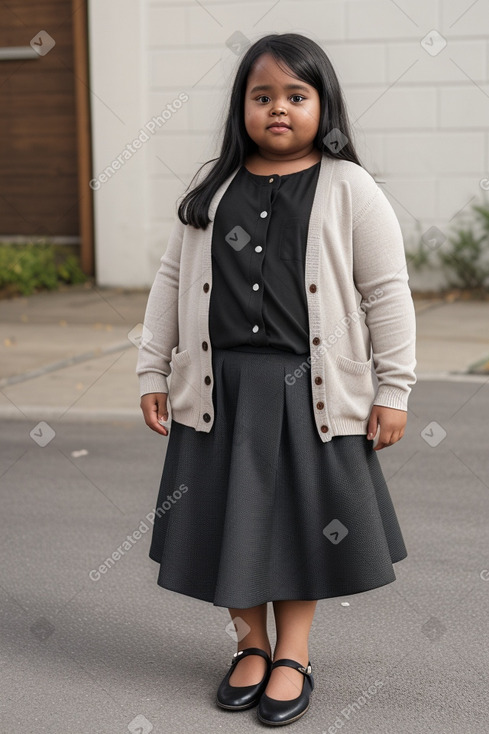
{"type": "Point", "coordinates": [50, 412]}
{"type": "Point", "coordinates": [453, 376]}
{"type": "Point", "coordinates": [62, 363]}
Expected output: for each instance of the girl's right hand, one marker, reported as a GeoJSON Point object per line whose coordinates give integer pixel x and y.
{"type": "Point", "coordinates": [153, 406]}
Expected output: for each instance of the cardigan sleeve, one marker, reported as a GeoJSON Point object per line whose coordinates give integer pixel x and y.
{"type": "Point", "coordinates": [160, 332]}
{"type": "Point", "coordinates": [381, 277]}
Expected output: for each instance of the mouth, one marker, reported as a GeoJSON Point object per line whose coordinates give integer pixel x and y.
{"type": "Point", "coordinates": [279, 126]}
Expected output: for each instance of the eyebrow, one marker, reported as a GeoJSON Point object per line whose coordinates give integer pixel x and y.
{"type": "Point", "coordinates": [262, 87]}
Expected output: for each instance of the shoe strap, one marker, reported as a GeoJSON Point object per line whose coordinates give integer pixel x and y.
{"type": "Point", "coordinates": [250, 651]}
{"type": "Point", "coordinates": [293, 664]}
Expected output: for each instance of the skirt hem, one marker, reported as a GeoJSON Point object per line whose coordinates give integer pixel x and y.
{"type": "Point", "coordinates": [348, 591]}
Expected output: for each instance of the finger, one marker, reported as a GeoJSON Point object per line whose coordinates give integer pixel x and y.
{"type": "Point", "coordinates": [396, 435]}
{"type": "Point", "coordinates": [388, 438]}
{"type": "Point", "coordinates": [162, 412]}
{"type": "Point", "coordinates": [161, 428]}
{"type": "Point", "coordinates": [384, 439]}
{"type": "Point", "coordinates": [372, 426]}
{"type": "Point", "coordinates": [151, 419]}
{"type": "Point", "coordinates": [155, 426]}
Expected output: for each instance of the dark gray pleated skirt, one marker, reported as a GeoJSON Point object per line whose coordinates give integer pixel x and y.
{"type": "Point", "coordinates": [260, 509]}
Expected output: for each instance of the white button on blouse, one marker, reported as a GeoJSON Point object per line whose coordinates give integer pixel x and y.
{"type": "Point", "coordinates": [258, 248]}
{"type": "Point", "coordinates": [263, 215]}
{"type": "Point", "coordinates": [255, 328]}
{"type": "Point", "coordinates": [255, 286]}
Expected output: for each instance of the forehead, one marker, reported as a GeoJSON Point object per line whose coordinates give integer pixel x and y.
{"type": "Point", "coordinates": [269, 75]}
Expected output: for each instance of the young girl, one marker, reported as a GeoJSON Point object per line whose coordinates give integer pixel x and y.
{"type": "Point", "coordinates": [283, 305]}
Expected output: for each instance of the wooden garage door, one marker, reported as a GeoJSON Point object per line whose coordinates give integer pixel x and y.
{"type": "Point", "coordinates": [38, 137]}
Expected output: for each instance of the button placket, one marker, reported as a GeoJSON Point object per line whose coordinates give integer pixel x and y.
{"type": "Point", "coordinates": [256, 266]}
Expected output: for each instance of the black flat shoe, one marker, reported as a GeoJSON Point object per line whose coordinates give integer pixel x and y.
{"type": "Point", "coordinates": [237, 698]}
{"type": "Point", "coordinates": [276, 713]}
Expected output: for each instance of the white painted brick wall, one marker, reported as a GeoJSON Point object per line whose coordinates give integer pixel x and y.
{"type": "Point", "coordinates": [421, 120]}
{"type": "Point", "coordinates": [389, 21]}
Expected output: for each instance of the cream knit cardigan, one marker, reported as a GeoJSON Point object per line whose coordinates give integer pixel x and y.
{"type": "Point", "coordinates": [361, 313]}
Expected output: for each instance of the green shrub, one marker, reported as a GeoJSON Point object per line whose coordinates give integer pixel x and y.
{"type": "Point", "coordinates": [28, 268]}
{"type": "Point", "coordinates": [463, 261]}
{"type": "Point", "coordinates": [464, 255]}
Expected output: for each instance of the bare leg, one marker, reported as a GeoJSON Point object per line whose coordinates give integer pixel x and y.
{"type": "Point", "coordinates": [252, 668]}
{"type": "Point", "coordinates": [293, 621]}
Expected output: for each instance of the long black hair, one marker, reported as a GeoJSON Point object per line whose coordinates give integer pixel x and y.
{"type": "Point", "coordinates": [310, 64]}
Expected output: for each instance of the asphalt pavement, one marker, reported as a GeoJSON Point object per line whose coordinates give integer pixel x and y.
{"type": "Point", "coordinates": [86, 650]}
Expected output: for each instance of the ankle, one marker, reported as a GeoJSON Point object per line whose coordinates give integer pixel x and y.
{"type": "Point", "coordinates": [301, 654]}
{"type": "Point", "coordinates": [260, 643]}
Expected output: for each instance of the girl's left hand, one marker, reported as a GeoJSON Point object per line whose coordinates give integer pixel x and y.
{"type": "Point", "coordinates": [392, 423]}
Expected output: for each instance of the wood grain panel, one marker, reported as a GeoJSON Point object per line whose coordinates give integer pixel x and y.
{"type": "Point", "coordinates": [38, 136]}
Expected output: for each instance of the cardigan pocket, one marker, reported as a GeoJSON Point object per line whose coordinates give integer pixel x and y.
{"type": "Point", "coordinates": [180, 359]}
{"type": "Point", "coordinates": [355, 392]}
{"type": "Point", "coordinates": [180, 391]}
{"type": "Point", "coordinates": [353, 367]}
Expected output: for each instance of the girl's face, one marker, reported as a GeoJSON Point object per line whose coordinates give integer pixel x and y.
{"type": "Point", "coordinates": [274, 96]}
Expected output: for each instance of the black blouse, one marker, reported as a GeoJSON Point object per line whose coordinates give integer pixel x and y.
{"type": "Point", "coordinates": [259, 241]}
